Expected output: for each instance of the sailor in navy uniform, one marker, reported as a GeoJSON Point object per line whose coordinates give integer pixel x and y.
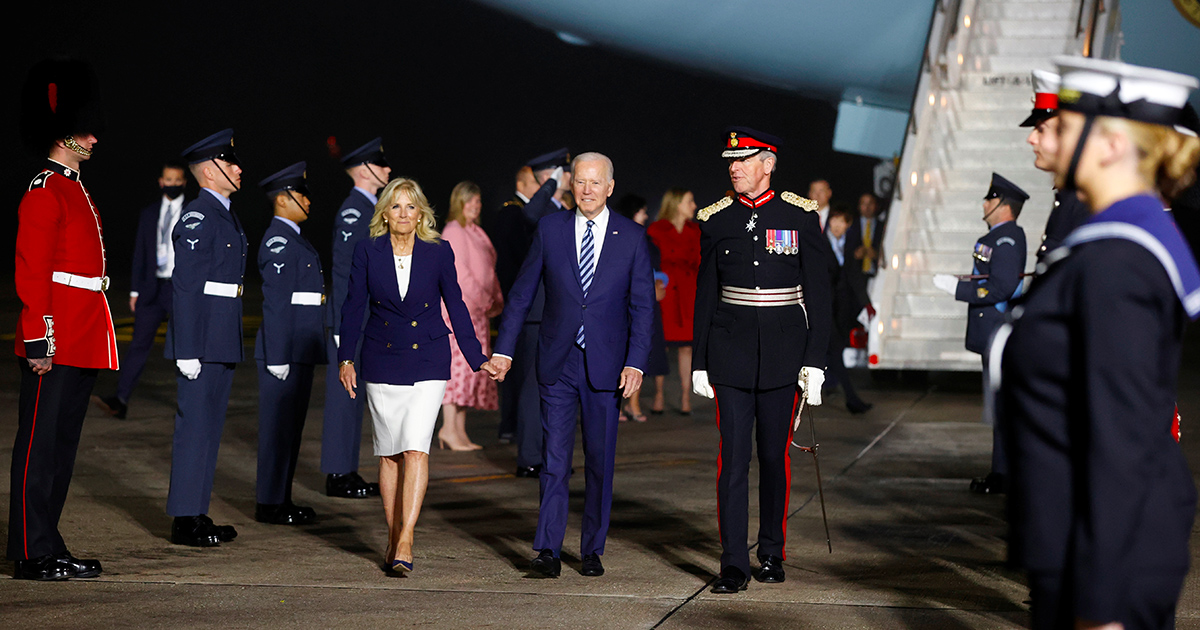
{"type": "Point", "coordinates": [204, 335]}
{"type": "Point", "coordinates": [341, 434]}
{"type": "Point", "coordinates": [763, 320]}
{"type": "Point", "coordinates": [998, 262]}
{"type": "Point", "coordinates": [520, 388]}
{"type": "Point", "coordinates": [1069, 211]}
{"type": "Point", "coordinates": [290, 342]}
{"type": "Point", "coordinates": [1102, 502]}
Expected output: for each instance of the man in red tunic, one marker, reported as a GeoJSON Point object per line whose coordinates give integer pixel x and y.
{"type": "Point", "coordinates": [65, 331]}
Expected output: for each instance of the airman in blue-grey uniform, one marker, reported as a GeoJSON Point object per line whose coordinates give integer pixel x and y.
{"type": "Point", "coordinates": [995, 279]}
{"type": "Point", "coordinates": [342, 432]}
{"type": "Point", "coordinates": [204, 336]}
{"type": "Point", "coordinates": [290, 342]}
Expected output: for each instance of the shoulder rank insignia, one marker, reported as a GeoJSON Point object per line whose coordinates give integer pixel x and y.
{"type": "Point", "coordinates": [350, 215]}
{"type": "Point", "coordinates": [39, 181]}
{"type": "Point", "coordinates": [705, 213]}
{"type": "Point", "coordinates": [513, 202]}
{"type": "Point", "coordinates": [276, 244]}
{"type": "Point", "coordinates": [797, 200]}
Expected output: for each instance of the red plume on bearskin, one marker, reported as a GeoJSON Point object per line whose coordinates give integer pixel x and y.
{"type": "Point", "coordinates": [61, 97]}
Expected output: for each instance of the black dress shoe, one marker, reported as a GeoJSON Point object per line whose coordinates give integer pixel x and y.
{"type": "Point", "coordinates": [771, 570]}
{"type": "Point", "coordinates": [225, 533]}
{"type": "Point", "coordinates": [283, 514]}
{"type": "Point", "coordinates": [43, 568]}
{"type": "Point", "coordinates": [111, 405]}
{"type": "Point", "coordinates": [732, 580]}
{"type": "Point", "coordinates": [546, 564]}
{"type": "Point", "coordinates": [592, 566]}
{"type": "Point", "coordinates": [82, 568]}
{"type": "Point", "coordinates": [531, 472]}
{"type": "Point", "coordinates": [992, 484]}
{"type": "Point", "coordinates": [857, 407]}
{"type": "Point", "coordinates": [195, 531]}
{"type": "Point", "coordinates": [350, 486]}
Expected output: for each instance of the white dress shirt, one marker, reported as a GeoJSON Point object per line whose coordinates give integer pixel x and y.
{"type": "Point", "coordinates": [403, 273]}
{"type": "Point", "coordinates": [599, 229]}
{"type": "Point", "coordinates": [168, 215]}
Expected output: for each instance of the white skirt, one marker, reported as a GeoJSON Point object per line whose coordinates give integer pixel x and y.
{"type": "Point", "coordinates": [404, 415]}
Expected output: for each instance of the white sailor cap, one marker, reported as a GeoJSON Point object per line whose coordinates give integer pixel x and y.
{"type": "Point", "coordinates": [1112, 88]}
{"type": "Point", "coordinates": [1045, 97]}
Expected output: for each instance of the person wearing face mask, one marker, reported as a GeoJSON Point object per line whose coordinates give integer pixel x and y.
{"type": "Point", "coordinates": [64, 333]}
{"type": "Point", "coordinates": [997, 264]}
{"type": "Point", "coordinates": [475, 264]}
{"type": "Point", "coordinates": [150, 288]}
{"type": "Point", "coordinates": [204, 335]}
{"type": "Point", "coordinates": [290, 341]}
{"type": "Point", "coordinates": [1103, 503]}
{"type": "Point", "coordinates": [341, 432]}
{"type": "Point", "coordinates": [1069, 211]}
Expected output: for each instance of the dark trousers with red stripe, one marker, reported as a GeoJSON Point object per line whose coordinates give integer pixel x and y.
{"type": "Point", "coordinates": [748, 418]}
{"type": "Point", "coordinates": [51, 412]}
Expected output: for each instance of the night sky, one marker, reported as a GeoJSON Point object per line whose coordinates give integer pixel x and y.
{"type": "Point", "coordinates": [457, 90]}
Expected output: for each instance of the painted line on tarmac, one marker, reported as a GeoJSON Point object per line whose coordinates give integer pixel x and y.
{"type": "Point", "coordinates": [891, 425]}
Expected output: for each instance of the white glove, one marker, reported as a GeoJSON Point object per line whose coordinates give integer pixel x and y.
{"type": "Point", "coordinates": [557, 176]}
{"type": "Point", "coordinates": [189, 368]}
{"type": "Point", "coordinates": [810, 381]}
{"type": "Point", "coordinates": [946, 282]}
{"type": "Point", "coordinates": [337, 341]}
{"type": "Point", "coordinates": [700, 384]}
{"type": "Point", "coordinates": [279, 371]}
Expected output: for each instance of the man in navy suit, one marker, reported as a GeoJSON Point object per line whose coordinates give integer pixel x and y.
{"type": "Point", "coordinates": [341, 433]}
{"type": "Point", "coordinates": [593, 345]}
{"type": "Point", "coordinates": [204, 336]}
{"type": "Point", "coordinates": [150, 289]}
{"type": "Point", "coordinates": [290, 342]}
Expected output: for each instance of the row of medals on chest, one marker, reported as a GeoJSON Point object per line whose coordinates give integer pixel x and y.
{"type": "Point", "coordinates": [776, 247]}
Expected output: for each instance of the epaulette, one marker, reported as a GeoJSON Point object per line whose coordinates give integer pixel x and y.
{"type": "Point", "coordinates": [39, 180]}
{"type": "Point", "coordinates": [797, 200]}
{"type": "Point", "coordinates": [513, 202]}
{"type": "Point", "coordinates": [708, 211]}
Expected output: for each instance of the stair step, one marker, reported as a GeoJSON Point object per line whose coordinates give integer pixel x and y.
{"type": "Point", "coordinates": [979, 179]}
{"type": "Point", "coordinates": [1026, 28]}
{"type": "Point", "coordinates": [941, 354]}
{"type": "Point", "coordinates": [1010, 138]}
{"type": "Point", "coordinates": [1022, 46]}
{"type": "Point", "coordinates": [1011, 62]}
{"type": "Point", "coordinates": [1041, 11]}
{"type": "Point", "coordinates": [939, 305]}
{"type": "Point", "coordinates": [1013, 100]}
{"type": "Point", "coordinates": [996, 159]}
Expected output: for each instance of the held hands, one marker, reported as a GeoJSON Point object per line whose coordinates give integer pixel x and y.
{"type": "Point", "coordinates": [810, 381]}
{"type": "Point", "coordinates": [279, 371]}
{"type": "Point", "coordinates": [946, 282]}
{"type": "Point", "coordinates": [700, 384]}
{"type": "Point", "coordinates": [349, 378]}
{"type": "Point", "coordinates": [499, 367]}
{"type": "Point", "coordinates": [189, 368]}
{"type": "Point", "coordinates": [631, 381]}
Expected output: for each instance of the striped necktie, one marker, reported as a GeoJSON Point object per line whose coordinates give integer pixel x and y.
{"type": "Point", "coordinates": [587, 269]}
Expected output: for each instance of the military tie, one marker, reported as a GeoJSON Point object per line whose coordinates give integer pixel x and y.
{"type": "Point", "coordinates": [587, 269]}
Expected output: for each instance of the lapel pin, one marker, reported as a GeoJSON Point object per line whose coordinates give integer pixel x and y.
{"type": "Point", "coordinates": [614, 231]}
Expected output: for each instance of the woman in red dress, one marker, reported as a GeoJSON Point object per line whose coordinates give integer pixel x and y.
{"type": "Point", "coordinates": [678, 238]}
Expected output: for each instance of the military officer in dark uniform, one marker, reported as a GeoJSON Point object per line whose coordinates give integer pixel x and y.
{"type": "Point", "coordinates": [64, 334]}
{"type": "Point", "coordinates": [290, 342]}
{"type": "Point", "coordinates": [1102, 502]}
{"type": "Point", "coordinates": [1069, 211]}
{"type": "Point", "coordinates": [763, 319]}
{"type": "Point", "coordinates": [999, 261]}
{"type": "Point", "coordinates": [341, 435]}
{"type": "Point", "coordinates": [520, 388]}
{"type": "Point", "coordinates": [204, 335]}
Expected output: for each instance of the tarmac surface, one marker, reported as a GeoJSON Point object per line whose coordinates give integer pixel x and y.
{"type": "Point", "coordinates": [911, 547]}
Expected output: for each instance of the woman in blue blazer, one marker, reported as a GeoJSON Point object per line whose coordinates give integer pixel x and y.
{"type": "Point", "coordinates": [403, 273]}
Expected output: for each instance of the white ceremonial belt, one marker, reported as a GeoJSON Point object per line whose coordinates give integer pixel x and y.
{"type": "Point", "coordinates": [739, 296]}
{"type": "Point", "coordinates": [222, 289]}
{"type": "Point", "coordinates": [308, 298]}
{"type": "Point", "coordinates": [80, 282]}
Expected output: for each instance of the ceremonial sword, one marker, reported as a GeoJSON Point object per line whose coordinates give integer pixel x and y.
{"type": "Point", "coordinates": [816, 461]}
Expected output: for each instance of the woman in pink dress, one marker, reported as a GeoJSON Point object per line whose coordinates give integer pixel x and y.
{"type": "Point", "coordinates": [475, 263]}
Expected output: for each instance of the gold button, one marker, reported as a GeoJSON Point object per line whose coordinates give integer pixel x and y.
{"type": "Point", "coordinates": [414, 324]}
{"type": "Point", "coordinates": [385, 323]}
{"type": "Point", "coordinates": [322, 298]}
{"type": "Point", "coordinates": [427, 305]}
{"type": "Point", "coordinates": [389, 345]}
{"type": "Point", "coordinates": [414, 346]}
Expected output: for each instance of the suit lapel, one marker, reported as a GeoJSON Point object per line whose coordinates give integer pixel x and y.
{"type": "Point", "coordinates": [386, 266]}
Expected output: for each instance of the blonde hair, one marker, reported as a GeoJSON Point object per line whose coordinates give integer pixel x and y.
{"type": "Point", "coordinates": [459, 197]}
{"type": "Point", "coordinates": [669, 207]}
{"type": "Point", "coordinates": [1166, 158]}
{"type": "Point", "coordinates": [426, 225]}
